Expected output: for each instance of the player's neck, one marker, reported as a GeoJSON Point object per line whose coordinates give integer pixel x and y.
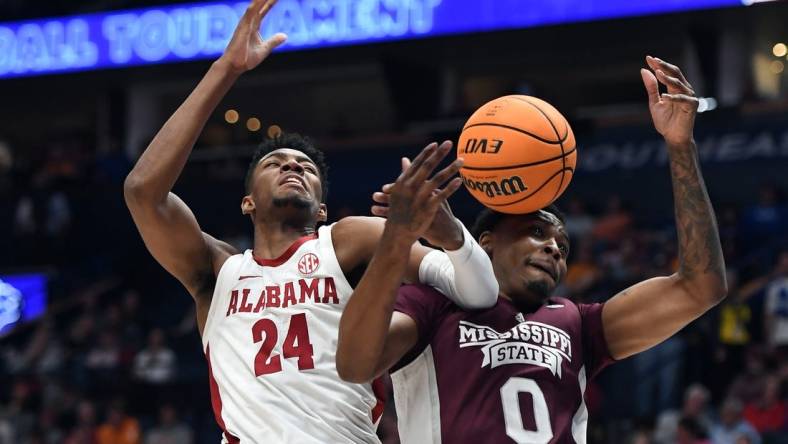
{"type": "Point", "coordinates": [271, 240]}
{"type": "Point", "coordinates": [522, 303]}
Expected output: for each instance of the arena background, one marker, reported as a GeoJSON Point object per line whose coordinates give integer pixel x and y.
{"type": "Point", "coordinates": [96, 336]}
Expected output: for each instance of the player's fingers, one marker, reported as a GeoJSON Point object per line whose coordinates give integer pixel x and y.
{"type": "Point", "coordinates": [431, 161]}
{"type": "Point", "coordinates": [446, 192]}
{"type": "Point", "coordinates": [406, 164]}
{"type": "Point", "coordinates": [273, 42]}
{"type": "Point", "coordinates": [445, 174]}
{"type": "Point", "coordinates": [652, 87]}
{"type": "Point", "coordinates": [257, 16]}
{"type": "Point", "coordinates": [252, 12]}
{"type": "Point", "coordinates": [248, 17]}
{"type": "Point", "coordinates": [674, 84]}
{"type": "Point", "coordinates": [682, 98]}
{"type": "Point", "coordinates": [267, 7]}
{"type": "Point", "coordinates": [380, 211]}
{"type": "Point", "coordinates": [652, 62]}
{"type": "Point", "coordinates": [426, 152]}
{"type": "Point", "coordinates": [379, 197]}
{"type": "Point", "coordinates": [428, 166]}
{"type": "Point", "coordinates": [679, 97]}
{"type": "Point", "coordinates": [387, 188]}
{"type": "Point", "coordinates": [671, 69]}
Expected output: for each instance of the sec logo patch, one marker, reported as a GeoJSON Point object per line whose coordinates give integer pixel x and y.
{"type": "Point", "coordinates": [308, 264]}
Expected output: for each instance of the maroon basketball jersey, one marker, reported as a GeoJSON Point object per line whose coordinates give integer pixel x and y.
{"type": "Point", "coordinates": [496, 375]}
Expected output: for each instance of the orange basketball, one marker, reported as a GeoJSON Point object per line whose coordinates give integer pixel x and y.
{"type": "Point", "coordinates": [519, 154]}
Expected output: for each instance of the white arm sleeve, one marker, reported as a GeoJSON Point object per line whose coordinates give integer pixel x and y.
{"type": "Point", "coordinates": [465, 275]}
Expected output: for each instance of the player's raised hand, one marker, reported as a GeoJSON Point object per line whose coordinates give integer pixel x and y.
{"type": "Point", "coordinates": [415, 204]}
{"type": "Point", "coordinates": [444, 232]}
{"type": "Point", "coordinates": [673, 113]}
{"type": "Point", "coordinates": [247, 48]}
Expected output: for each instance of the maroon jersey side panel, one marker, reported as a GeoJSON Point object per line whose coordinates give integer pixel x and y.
{"type": "Point", "coordinates": [503, 376]}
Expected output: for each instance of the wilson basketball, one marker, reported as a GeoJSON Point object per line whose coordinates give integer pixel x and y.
{"type": "Point", "coordinates": [519, 154]}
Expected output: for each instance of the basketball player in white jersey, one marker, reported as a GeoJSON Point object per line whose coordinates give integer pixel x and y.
{"type": "Point", "coordinates": [269, 316]}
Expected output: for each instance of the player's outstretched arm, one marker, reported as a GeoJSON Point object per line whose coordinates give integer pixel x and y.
{"type": "Point", "coordinates": [366, 329]}
{"type": "Point", "coordinates": [167, 226]}
{"type": "Point", "coordinates": [646, 314]}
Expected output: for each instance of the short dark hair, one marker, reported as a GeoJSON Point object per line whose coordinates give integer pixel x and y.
{"type": "Point", "coordinates": [293, 141]}
{"type": "Point", "coordinates": [488, 219]}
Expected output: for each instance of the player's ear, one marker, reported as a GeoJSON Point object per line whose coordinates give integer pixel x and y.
{"type": "Point", "coordinates": [485, 241]}
{"type": "Point", "coordinates": [322, 213]}
{"type": "Point", "coordinates": [247, 205]}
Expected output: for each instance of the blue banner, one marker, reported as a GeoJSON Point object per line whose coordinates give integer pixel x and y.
{"type": "Point", "coordinates": [202, 30]}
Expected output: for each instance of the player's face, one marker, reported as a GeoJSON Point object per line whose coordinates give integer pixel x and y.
{"type": "Point", "coordinates": [286, 178]}
{"type": "Point", "coordinates": [529, 256]}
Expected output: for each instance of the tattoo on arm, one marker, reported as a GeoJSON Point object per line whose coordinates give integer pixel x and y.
{"type": "Point", "coordinates": [700, 251]}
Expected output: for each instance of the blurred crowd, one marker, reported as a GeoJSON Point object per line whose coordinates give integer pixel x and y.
{"type": "Point", "coordinates": [117, 358]}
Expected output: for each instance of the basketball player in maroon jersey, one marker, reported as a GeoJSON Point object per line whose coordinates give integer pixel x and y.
{"type": "Point", "coordinates": [285, 200]}
{"type": "Point", "coordinates": [517, 372]}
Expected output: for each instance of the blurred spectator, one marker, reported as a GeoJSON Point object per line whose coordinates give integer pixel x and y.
{"type": "Point", "coordinates": [46, 428]}
{"type": "Point", "coordinates": [84, 432]}
{"type": "Point", "coordinates": [578, 222]}
{"type": "Point", "coordinates": [583, 273]}
{"type": "Point", "coordinates": [694, 409]}
{"type": "Point", "coordinates": [44, 352]}
{"type": "Point", "coordinates": [767, 218]}
{"type": "Point", "coordinates": [623, 262]}
{"type": "Point", "coordinates": [641, 437]}
{"type": "Point", "coordinates": [615, 223]}
{"type": "Point", "coordinates": [732, 426]}
{"type": "Point", "coordinates": [768, 413]}
{"type": "Point", "coordinates": [46, 210]}
{"type": "Point", "coordinates": [690, 431]}
{"type": "Point", "coordinates": [169, 430]}
{"type": "Point", "coordinates": [776, 305]}
{"type": "Point", "coordinates": [748, 386]}
{"type": "Point", "coordinates": [657, 371]}
{"type": "Point", "coordinates": [119, 427]}
{"type": "Point", "coordinates": [103, 364]}
{"type": "Point", "coordinates": [16, 416]}
{"type": "Point", "coordinates": [105, 355]}
{"type": "Point", "coordinates": [734, 330]}
{"type": "Point", "coordinates": [130, 319]}
{"type": "Point", "coordinates": [734, 316]}
{"type": "Point", "coordinates": [156, 363]}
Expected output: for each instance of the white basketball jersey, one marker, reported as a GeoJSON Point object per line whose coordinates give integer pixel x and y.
{"type": "Point", "coordinates": [271, 341]}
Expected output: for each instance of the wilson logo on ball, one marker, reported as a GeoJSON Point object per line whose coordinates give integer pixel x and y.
{"type": "Point", "coordinates": [491, 146]}
{"type": "Point", "coordinates": [540, 151]}
{"type": "Point", "coordinates": [507, 186]}
{"type": "Point", "coordinates": [308, 264]}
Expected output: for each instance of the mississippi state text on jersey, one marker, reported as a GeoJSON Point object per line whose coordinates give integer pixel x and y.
{"type": "Point", "coordinates": [271, 340]}
{"type": "Point", "coordinates": [497, 375]}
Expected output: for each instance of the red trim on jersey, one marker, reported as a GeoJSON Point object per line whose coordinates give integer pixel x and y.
{"type": "Point", "coordinates": [216, 400]}
{"type": "Point", "coordinates": [286, 255]}
{"type": "Point", "coordinates": [379, 389]}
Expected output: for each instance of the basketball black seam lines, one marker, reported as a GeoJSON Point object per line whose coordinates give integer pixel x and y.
{"type": "Point", "coordinates": [563, 158]}
{"type": "Point", "coordinates": [522, 165]}
{"type": "Point", "coordinates": [551, 142]}
{"type": "Point", "coordinates": [566, 133]}
{"type": "Point", "coordinates": [564, 170]}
